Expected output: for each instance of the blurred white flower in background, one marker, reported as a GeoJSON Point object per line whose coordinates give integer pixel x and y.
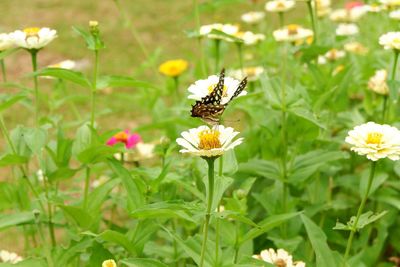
{"type": "Point", "coordinates": [250, 38]}
{"type": "Point", "coordinates": [252, 73]}
{"type": "Point", "coordinates": [348, 15]}
{"type": "Point", "coordinates": [6, 41]}
{"type": "Point", "coordinates": [253, 17]}
{"type": "Point", "coordinates": [347, 29]}
{"type": "Point", "coordinates": [279, 258]}
{"type": "Point", "coordinates": [323, 7]}
{"type": "Point", "coordinates": [33, 38]}
{"type": "Point", "coordinates": [292, 33]}
{"type": "Point", "coordinates": [280, 5]}
{"type": "Point", "coordinates": [356, 48]}
{"type": "Point", "coordinates": [229, 29]}
{"type": "Point", "coordinates": [378, 82]}
{"type": "Point", "coordinates": [390, 40]}
{"type": "Point", "coordinates": [395, 14]}
{"type": "Point", "coordinates": [375, 141]}
{"type": "Point", "coordinates": [9, 257]}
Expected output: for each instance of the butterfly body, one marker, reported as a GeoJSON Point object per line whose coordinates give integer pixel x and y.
{"type": "Point", "coordinates": [209, 108]}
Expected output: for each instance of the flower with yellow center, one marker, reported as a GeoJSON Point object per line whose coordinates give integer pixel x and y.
{"type": "Point", "coordinates": [279, 258]}
{"type": "Point", "coordinates": [33, 38]}
{"type": "Point", "coordinates": [390, 40]}
{"type": "Point", "coordinates": [229, 29]}
{"type": "Point", "coordinates": [378, 82]}
{"type": "Point", "coordinates": [252, 73]}
{"type": "Point", "coordinates": [5, 41]}
{"type": "Point", "coordinates": [208, 142]}
{"type": "Point", "coordinates": [292, 33]}
{"type": "Point", "coordinates": [109, 263]}
{"type": "Point", "coordinates": [279, 5]}
{"type": "Point", "coordinates": [202, 88]}
{"type": "Point", "coordinates": [173, 68]}
{"type": "Point", "coordinates": [253, 17]}
{"type": "Point", "coordinates": [375, 141]}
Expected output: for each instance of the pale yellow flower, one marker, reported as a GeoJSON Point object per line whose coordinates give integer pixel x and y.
{"type": "Point", "coordinates": [378, 82]}
{"type": "Point", "coordinates": [173, 68]}
{"type": "Point", "coordinates": [109, 263]}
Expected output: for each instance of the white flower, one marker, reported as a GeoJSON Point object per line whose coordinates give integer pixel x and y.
{"type": "Point", "coordinates": [229, 29]}
{"type": "Point", "coordinates": [202, 88]}
{"type": "Point", "coordinates": [390, 3]}
{"type": "Point", "coordinates": [292, 33]}
{"type": "Point", "coordinates": [376, 141]}
{"type": "Point", "coordinates": [5, 41]}
{"type": "Point", "coordinates": [250, 38]}
{"type": "Point", "coordinates": [145, 150]}
{"type": "Point", "coordinates": [33, 38]}
{"type": "Point", "coordinates": [278, 258]}
{"type": "Point", "coordinates": [378, 82]}
{"type": "Point", "coordinates": [323, 7]}
{"type": "Point", "coordinates": [40, 175]}
{"type": "Point", "coordinates": [109, 263]}
{"type": "Point", "coordinates": [65, 64]}
{"type": "Point", "coordinates": [334, 54]}
{"type": "Point", "coordinates": [208, 142]}
{"type": "Point", "coordinates": [390, 40]}
{"type": "Point", "coordinates": [374, 8]}
{"type": "Point", "coordinates": [253, 17]}
{"type": "Point", "coordinates": [348, 15]}
{"type": "Point", "coordinates": [252, 73]}
{"type": "Point", "coordinates": [356, 48]}
{"type": "Point", "coordinates": [395, 14]}
{"type": "Point", "coordinates": [11, 257]}
{"type": "Point", "coordinates": [279, 5]}
{"type": "Point", "coordinates": [347, 29]}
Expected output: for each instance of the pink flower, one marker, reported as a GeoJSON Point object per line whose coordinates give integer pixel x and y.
{"type": "Point", "coordinates": [130, 140]}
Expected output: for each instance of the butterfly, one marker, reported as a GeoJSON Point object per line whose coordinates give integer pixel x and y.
{"type": "Point", "coordinates": [209, 108]}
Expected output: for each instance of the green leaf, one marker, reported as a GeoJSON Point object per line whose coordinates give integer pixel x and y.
{"type": "Point", "coordinates": [91, 42]}
{"type": "Point", "coordinates": [79, 216]}
{"type": "Point", "coordinates": [82, 140]}
{"type": "Point", "coordinates": [12, 159]}
{"type": "Point", "coordinates": [11, 220]}
{"type": "Point", "coordinates": [35, 139]}
{"type": "Point", "coordinates": [317, 238]}
{"type": "Point", "coordinates": [61, 174]}
{"type": "Point", "coordinates": [268, 224]}
{"type": "Point", "coordinates": [263, 168]}
{"type": "Point", "coordinates": [133, 186]}
{"type": "Point", "coordinates": [222, 183]}
{"type": "Point", "coordinates": [5, 104]}
{"type": "Point", "coordinates": [228, 37]}
{"type": "Point", "coordinates": [306, 114]}
{"type": "Point", "coordinates": [365, 219]}
{"type": "Point", "coordinates": [67, 75]}
{"type": "Point", "coordinates": [118, 238]}
{"type": "Point", "coordinates": [96, 153]}
{"type": "Point", "coordinates": [98, 195]}
{"type": "Point", "coordinates": [138, 262]}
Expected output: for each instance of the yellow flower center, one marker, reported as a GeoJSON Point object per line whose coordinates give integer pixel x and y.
{"type": "Point", "coordinates": [209, 139]}
{"type": "Point", "coordinates": [293, 29]}
{"type": "Point", "coordinates": [109, 263]}
{"type": "Point", "coordinates": [121, 137]}
{"type": "Point", "coordinates": [374, 138]}
{"type": "Point", "coordinates": [280, 5]}
{"type": "Point", "coordinates": [32, 31]}
{"type": "Point", "coordinates": [280, 263]}
{"type": "Point", "coordinates": [212, 86]}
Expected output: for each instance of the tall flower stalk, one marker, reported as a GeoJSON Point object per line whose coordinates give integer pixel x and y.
{"type": "Point", "coordinates": [386, 105]}
{"type": "Point", "coordinates": [312, 17]}
{"type": "Point", "coordinates": [3, 70]}
{"type": "Point", "coordinates": [34, 53]}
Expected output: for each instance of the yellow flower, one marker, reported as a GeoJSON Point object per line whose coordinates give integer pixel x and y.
{"type": "Point", "coordinates": [173, 68]}
{"type": "Point", "coordinates": [109, 263]}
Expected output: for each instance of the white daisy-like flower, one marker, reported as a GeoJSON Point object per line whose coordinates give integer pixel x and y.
{"type": "Point", "coordinates": [356, 48]}
{"type": "Point", "coordinates": [229, 29]}
{"type": "Point", "coordinates": [250, 38]}
{"type": "Point", "coordinates": [252, 73]}
{"type": "Point", "coordinates": [378, 82]}
{"type": "Point", "coordinates": [280, 5]}
{"type": "Point", "coordinates": [6, 41]}
{"type": "Point", "coordinates": [395, 14]}
{"type": "Point", "coordinates": [253, 17]}
{"type": "Point", "coordinates": [390, 40]}
{"type": "Point", "coordinates": [292, 33]}
{"type": "Point", "coordinates": [279, 258]}
{"type": "Point", "coordinates": [202, 88]}
{"type": "Point", "coordinates": [208, 142]}
{"type": "Point", "coordinates": [348, 15]}
{"type": "Point", "coordinates": [33, 38]}
{"type": "Point", "coordinates": [109, 263]}
{"type": "Point", "coordinates": [375, 141]}
{"type": "Point", "coordinates": [9, 257]}
{"type": "Point", "coordinates": [347, 29]}
{"type": "Point", "coordinates": [323, 7]}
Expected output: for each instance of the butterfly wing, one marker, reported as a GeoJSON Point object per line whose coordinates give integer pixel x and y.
{"type": "Point", "coordinates": [215, 96]}
{"type": "Point", "coordinates": [240, 88]}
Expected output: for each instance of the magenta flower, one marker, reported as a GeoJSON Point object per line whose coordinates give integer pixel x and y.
{"type": "Point", "coordinates": [130, 140]}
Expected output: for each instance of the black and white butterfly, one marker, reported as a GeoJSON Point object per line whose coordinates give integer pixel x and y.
{"type": "Point", "coordinates": [209, 108]}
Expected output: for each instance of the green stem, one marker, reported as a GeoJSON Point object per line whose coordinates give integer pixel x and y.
{"type": "Point", "coordinates": [3, 70]}
{"type": "Point", "coordinates": [386, 103]}
{"type": "Point", "coordinates": [86, 190]}
{"type": "Point", "coordinates": [50, 213]}
{"type": "Point", "coordinates": [210, 162]}
{"type": "Point", "coordinates": [43, 239]}
{"type": "Point", "coordinates": [71, 103]}
{"type": "Point", "coordinates": [35, 83]}
{"type": "Point", "coordinates": [384, 109]}
{"type": "Point", "coordinates": [217, 54]}
{"type": "Point", "coordinates": [176, 87]}
{"type": "Point", "coordinates": [237, 228]}
{"type": "Point", "coordinates": [240, 53]}
{"type": "Point", "coordinates": [359, 212]}
{"type": "Point", "coordinates": [281, 19]}
{"type": "Point", "coordinates": [94, 87]}
{"type": "Point", "coordinates": [313, 21]}
{"type": "Point", "coordinates": [217, 223]}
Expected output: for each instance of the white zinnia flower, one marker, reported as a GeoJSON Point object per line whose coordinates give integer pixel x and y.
{"type": "Point", "coordinates": [109, 263]}
{"type": "Point", "coordinates": [378, 82]}
{"type": "Point", "coordinates": [347, 29]}
{"type": "Point", "coordinates": [202, 88]}
{"type": "Point", "coordinates": [395, 14]}
{"type": "Point", "coordinates": [250, 38]}
{"type": "Point", "coordinates": [292, 33]}
{"type": "Point", "coordinates": [5, 41]}
{"type": "Point", "coordinates": [208, 142]}
{"type": "Point", "coordinates": [229, 29]}
{"type": "Point", "coordinates": [279, 5]}
{"type": "Point", "coordinates": [376, 141]}
{"type": "Point", "coordinates": [253, 17]}
{"type": "Point", "coordinates": [390, 40]}
{"type": "Point", "coordinates": [348, 15]}
{"type": "Point", "coordinates": [252, 73]}
{"type": "Point", "coordinates": [278, 258]}
{"type": "Point", "coordinates": [11, 257]}
{"type": "Point", "coordinates": [33, 38]}
{"type": "Point", "coordinates": [65, 64]}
